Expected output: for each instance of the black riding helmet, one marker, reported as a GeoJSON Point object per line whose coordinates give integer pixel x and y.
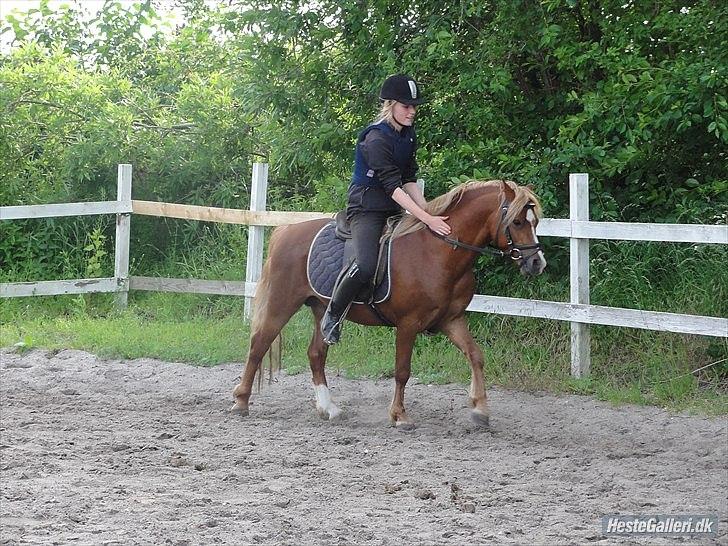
{"type": "Point", "coordinates": [402, 89]}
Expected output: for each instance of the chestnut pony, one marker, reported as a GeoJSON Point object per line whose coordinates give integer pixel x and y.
{"type": "Point", "coordinates": [432, 284]}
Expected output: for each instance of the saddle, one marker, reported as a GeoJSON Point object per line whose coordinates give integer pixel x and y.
{"type": "Point", "coordinates": [332, 252]}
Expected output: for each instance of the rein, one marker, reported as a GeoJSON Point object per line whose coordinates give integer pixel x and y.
{"type": "Point", "coordinates": [514, 252]}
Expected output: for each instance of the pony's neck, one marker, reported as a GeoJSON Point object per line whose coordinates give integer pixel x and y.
{"type": "Point", "coordinates": [473, 221]}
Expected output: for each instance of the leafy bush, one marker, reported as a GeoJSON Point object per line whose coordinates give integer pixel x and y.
{"type": "Point", "coordinates": [632, 93]}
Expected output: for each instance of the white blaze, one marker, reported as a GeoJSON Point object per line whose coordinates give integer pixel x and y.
{"type": "Point", "coordinates": [531, 217]}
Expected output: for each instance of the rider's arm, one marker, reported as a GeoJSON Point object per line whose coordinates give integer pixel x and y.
{"type": "Point", "coordinates": [413, 190]}
{"type": "Point", "coordinates": [378, 154]}
{"type": "Point", "coordinates": [435, 223]}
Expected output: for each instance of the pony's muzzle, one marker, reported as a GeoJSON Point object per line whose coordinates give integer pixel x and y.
{"type": "Point", "coordinates": [534, 264]}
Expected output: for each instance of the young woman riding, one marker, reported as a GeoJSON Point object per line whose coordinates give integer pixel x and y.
{"type": "Point", "coordinates": [383, 183]}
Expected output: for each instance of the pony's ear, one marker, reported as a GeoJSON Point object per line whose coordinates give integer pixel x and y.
{"type": "Point", "coordinates": [507, 191]}
{"type": "Point", "coordinates": [530, 187]}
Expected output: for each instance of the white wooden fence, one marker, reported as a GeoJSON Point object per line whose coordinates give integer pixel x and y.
{"type": "Point", "coordinates": [577, 228]}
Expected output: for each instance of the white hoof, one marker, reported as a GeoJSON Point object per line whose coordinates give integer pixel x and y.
{"type": "Point", "coordinates": [334, 412]}
{"type": "Point", "coordinates": [324, 405]}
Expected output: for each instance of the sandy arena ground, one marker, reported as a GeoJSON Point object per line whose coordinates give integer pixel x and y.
{"type": "Point", "coordinates": [145, 452]}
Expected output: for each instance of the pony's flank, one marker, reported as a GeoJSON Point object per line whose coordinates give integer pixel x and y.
{"type": "Point", "coordinates": [440, 205]}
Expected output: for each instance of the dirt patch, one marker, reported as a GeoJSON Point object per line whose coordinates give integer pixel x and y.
{"type": "Point", "coordinates": [121, 452]}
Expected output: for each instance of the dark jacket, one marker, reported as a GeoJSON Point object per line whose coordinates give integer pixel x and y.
{"type": "Point", "coordinates": [384, 161]}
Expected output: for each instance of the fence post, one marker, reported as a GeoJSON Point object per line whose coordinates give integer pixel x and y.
{"type": "Point", "coordinates": [123, 230]}
{"type": "Point", "coordinates": [579, 273]}
{"type": "Point", "coordinates": [256, 233]}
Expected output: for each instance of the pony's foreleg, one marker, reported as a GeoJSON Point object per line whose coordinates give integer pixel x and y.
{"type": "Point", "coordinates": [405, 343]}
{"type": "Point", "coordinates": [317, 351]}
{"type": "Point", "coordinates": [459, 333]}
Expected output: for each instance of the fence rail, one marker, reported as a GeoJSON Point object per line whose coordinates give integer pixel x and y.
{"type": "Point", "coordinates": [193, 286]}
{"type": "Point", "coordinates": [65, 209]}
{"type": "Point", "coordinates": [598, 314]}
{"type": "Point", "coordinates": [222, 215]}
{"type": "Point", "coordinates": [628, 231]}
{"type": "Point", "coordinates": [578, 229]}
{"type": "Point", "coordinates": [55, 288]}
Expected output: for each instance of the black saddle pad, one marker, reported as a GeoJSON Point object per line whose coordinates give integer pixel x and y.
{"type": "Point", "coordinates": [326, 259]}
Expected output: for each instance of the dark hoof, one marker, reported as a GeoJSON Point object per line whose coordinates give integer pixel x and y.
{"type": "Point", "coordinates": [239, 409]}
{"type": "Point", "coordinates": [480, 419]}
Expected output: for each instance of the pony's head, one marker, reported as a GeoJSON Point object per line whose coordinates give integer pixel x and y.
{"type": "Point", "coordinates": [511, 214]}
{"type": "Point", "coordinates": [515, 224]}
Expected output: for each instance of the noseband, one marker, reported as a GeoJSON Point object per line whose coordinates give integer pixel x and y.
{"type": "Point", "coordinates": [514, 252]}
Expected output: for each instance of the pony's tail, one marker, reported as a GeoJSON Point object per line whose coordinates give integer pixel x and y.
{"type": "Point", "coordinates": [260, 298]}
{"type": "Point", "coordinates": [262, 290]}
{"type": "Point", "coordinates": [260, 310]}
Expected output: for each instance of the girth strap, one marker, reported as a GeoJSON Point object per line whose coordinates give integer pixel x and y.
{"type": "Point", "coordinates": [379, 314]}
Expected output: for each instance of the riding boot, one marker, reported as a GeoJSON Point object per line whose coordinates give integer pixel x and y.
{"type": "Point", "coordinates": [344, 294]}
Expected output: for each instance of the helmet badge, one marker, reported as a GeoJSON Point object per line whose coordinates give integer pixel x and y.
{"type": "Point", "coordinates": [413, 88]}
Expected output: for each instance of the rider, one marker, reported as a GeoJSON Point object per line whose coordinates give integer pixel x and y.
{"type": "Point", "coordinates": [382, 184]}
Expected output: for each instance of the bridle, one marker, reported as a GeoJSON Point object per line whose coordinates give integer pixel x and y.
{"type": "Point", "coordinates": [514, 252]}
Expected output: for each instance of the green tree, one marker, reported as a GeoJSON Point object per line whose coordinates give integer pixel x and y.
{"type": "Point", "coordinates": [633, 93]}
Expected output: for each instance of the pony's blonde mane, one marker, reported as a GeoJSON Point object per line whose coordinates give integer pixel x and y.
{"type": "Point", "coordinates": [439, 205]}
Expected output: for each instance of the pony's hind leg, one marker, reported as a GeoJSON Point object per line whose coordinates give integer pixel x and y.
{"type": "Point", "coordinates": [269, 320]}
{"type": "Point", "coordinates": [317, 351]}
{"type": "Point", "coordinates": [260, 342]}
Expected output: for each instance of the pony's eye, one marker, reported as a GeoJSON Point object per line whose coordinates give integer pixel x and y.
{"type": "Point", "coordinates": [517, 223]}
